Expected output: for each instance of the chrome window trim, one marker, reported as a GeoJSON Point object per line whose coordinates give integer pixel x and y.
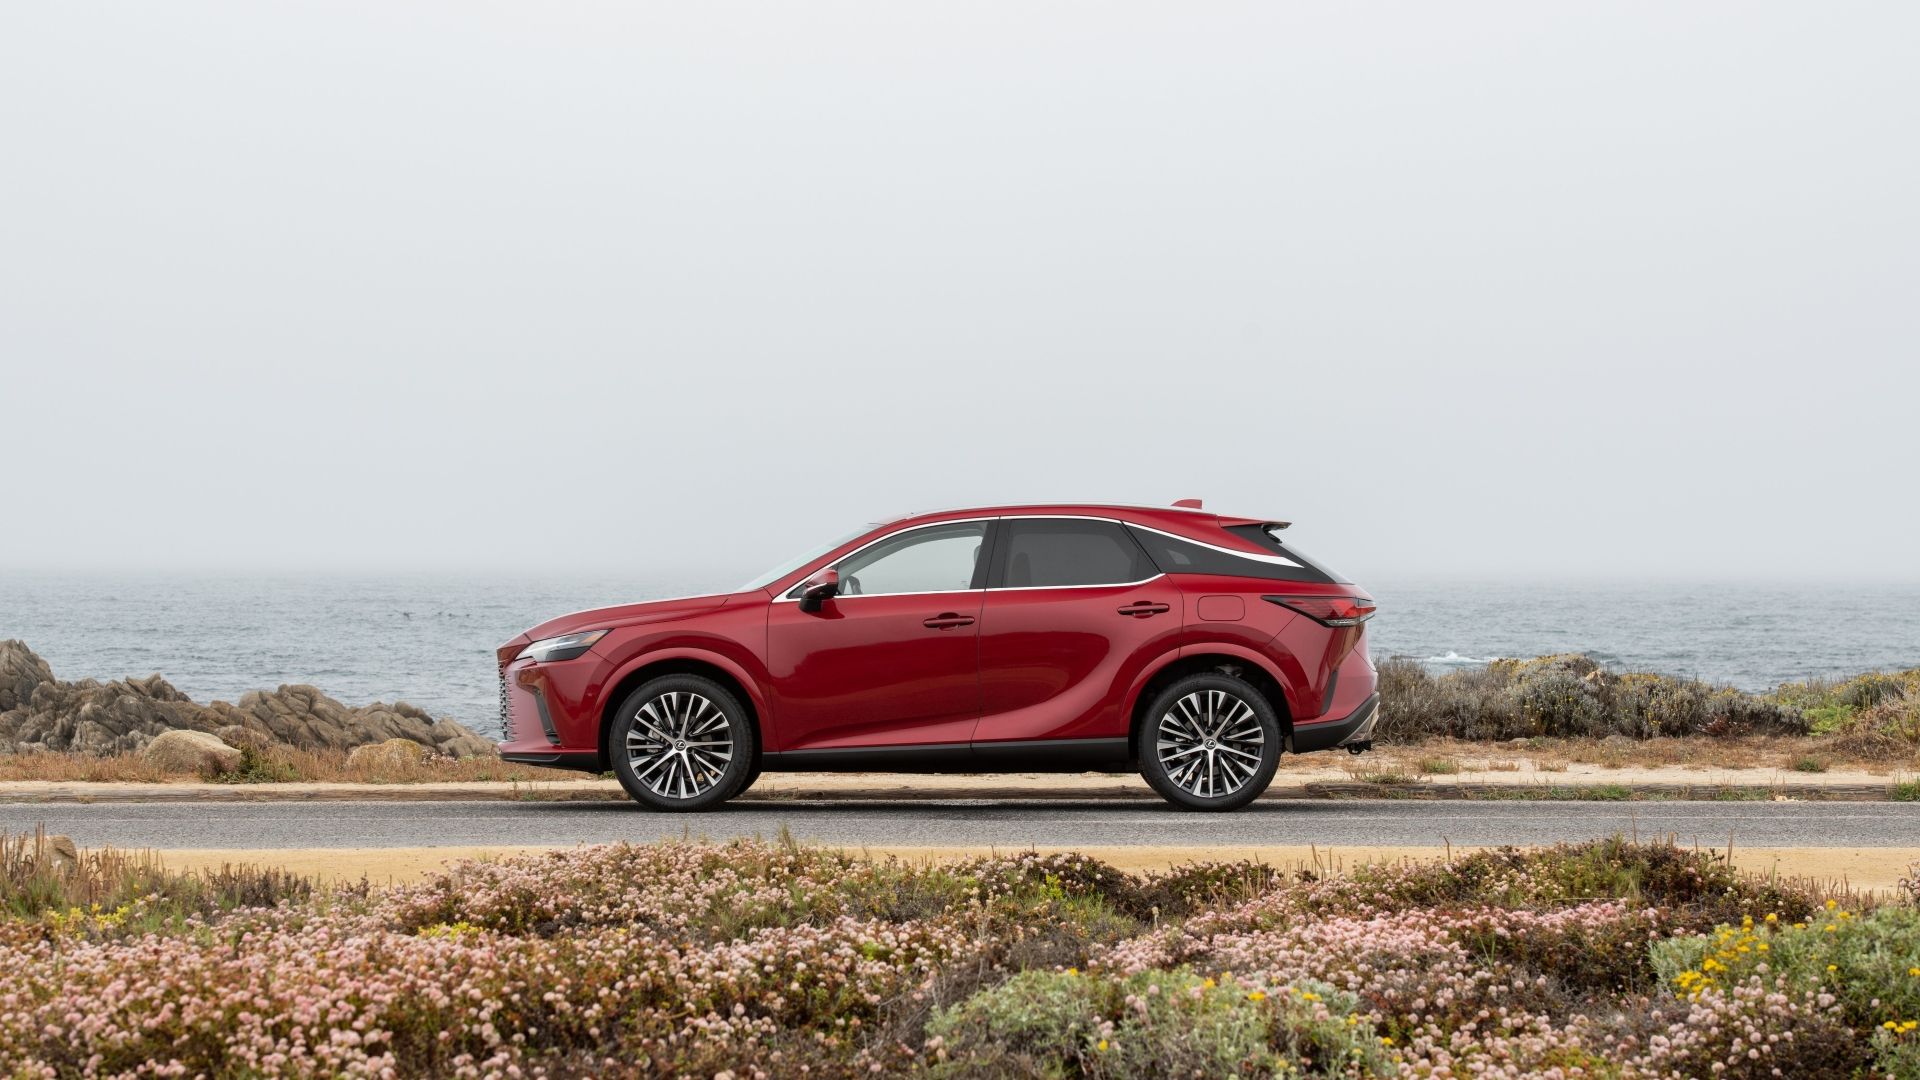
{"type": "Point", "coordinates": [788, 597]}
{"type": "Point", "coordinates": [1256, 556]}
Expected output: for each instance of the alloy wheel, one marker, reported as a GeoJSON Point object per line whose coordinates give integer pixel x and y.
{"type": "Point", "coordinates": [680, 744]}
{"type": "Point", "coordinates": [1210, 743]}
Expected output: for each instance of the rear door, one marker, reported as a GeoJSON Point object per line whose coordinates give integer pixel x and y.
{"type": "Point", "coordinates": [1074, 610]}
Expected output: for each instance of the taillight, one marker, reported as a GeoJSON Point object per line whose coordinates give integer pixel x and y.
{"type": "Point", "coordinates": [1327, 610]}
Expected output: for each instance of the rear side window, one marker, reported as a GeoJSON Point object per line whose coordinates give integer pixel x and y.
{"type": "Point", "coordinates": [1043, 552]}
{"type": "Point", "coordinates": [1174, 555]}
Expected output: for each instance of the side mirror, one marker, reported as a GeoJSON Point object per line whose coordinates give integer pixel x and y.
{"type": "Point", "coordinates": [818, 589]}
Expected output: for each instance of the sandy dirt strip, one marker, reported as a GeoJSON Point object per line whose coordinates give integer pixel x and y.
{"type": "Point", "coordinates": [1878, 869]}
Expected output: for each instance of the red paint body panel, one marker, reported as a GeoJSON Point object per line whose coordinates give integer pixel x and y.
{"type": "Point", "coordinates": [1040, 664]}
{"type": "Point", "coordinates": [867, 671]}
{"type": "Point", "coordinates": [1058, 663]}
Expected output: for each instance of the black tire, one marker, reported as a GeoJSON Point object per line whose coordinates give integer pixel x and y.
{"type": "Point", "coordinates": [1187, 749]}
{"type": "Point", "coordinates": [697, 774]}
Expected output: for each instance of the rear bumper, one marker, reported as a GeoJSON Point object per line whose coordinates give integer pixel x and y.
{"type": "Point", "coordinates": [1355, 727]}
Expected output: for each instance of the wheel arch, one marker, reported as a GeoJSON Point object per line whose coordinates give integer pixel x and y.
{"type": "Point", "coordinates": [684, 662]}
{"type": "Point", "coordinates": [1213, 657]}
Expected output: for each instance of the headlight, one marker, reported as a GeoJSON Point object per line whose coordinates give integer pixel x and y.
{"type": "Point", "coordinates": [564, 647]}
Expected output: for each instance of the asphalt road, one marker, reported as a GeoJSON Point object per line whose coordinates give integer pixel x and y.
{"type": "Point", "coordinates": [1001, 824]}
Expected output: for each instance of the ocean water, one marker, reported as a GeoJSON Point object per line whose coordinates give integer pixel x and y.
{"type": "Point", "coordinates": [430, 639]}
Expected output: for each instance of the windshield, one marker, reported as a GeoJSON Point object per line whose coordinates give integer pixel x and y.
{"type": "Point", "coordinates": [761, 581]}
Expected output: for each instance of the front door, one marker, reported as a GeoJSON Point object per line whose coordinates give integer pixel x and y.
{"type": "Point", "coordinates": [894, 659]}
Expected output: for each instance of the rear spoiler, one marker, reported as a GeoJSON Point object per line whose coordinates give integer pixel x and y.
{"type": "Point", "coordinates": [1194, 504]}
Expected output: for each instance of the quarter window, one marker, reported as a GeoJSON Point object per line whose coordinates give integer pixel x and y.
{"type": "Point", "coordinates": [1045, 552]}
{"type": "Point", "coordinates": [1176, 556]}
{"type": "Point", "coordinates": [939, 558]}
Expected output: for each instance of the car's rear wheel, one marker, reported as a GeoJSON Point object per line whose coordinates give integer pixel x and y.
{"type": "Point", "coordinates": [681, 742]}
{"type": "Point", "coordinates": [1209, 742]}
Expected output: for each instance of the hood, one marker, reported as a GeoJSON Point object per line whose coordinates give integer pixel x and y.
{"type": "Point", "coordinates": [620, 615]}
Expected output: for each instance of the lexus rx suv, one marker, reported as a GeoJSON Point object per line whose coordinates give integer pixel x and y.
{"type": "Point", "coordinates": [1188, 646]}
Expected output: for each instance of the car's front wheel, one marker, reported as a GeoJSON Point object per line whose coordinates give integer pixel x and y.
{"type": "Point", "coordinates": [1209, 742]}
{"type": "Point", "coordinates": [681, 742]}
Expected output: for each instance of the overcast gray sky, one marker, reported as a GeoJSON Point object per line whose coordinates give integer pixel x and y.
{"type": "Point", "coordinates": [1539, 289]}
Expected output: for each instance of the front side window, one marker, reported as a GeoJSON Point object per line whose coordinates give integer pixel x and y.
{"type": "Point", "coordinates": [1051, 552]}
{"type": "Point", "coordinates": [939, 558]}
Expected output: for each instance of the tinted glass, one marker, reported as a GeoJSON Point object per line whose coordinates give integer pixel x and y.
{"type": "Point", "coordinates": [1175, 556]}
{"type": "Point", "coordinates": [1268, 536]}
{"type": "Point", "coordinates": [1059, 551]}
{"type": "Point", "coordinates": [939, 558]}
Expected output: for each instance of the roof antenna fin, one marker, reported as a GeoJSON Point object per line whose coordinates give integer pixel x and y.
{"type": "Point", "coordinates": [1191, 504]}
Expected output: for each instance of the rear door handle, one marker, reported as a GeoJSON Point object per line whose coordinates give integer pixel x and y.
{"type": "Point", "coordinates": [1143, 609]}
{"type": "Point", "coordinates": [947, 620]}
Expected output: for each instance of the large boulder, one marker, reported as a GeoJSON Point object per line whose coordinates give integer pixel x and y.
{"type": "Point", "coordinates": [190, 752]}
{"type": "Point", "coordinates": [389, 756]}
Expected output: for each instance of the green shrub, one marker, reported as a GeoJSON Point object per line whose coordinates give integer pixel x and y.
{"type": "Point", "coordinates": [1567, 695]}
{"type": "Point", "coordinates": [1869, 962]}
{"type": "Point", "coordinates": [1155, 1023]}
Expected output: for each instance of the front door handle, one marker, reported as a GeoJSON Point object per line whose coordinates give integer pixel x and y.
{"type": "Point", "coordinates": [947, 620]}
{"type": "Point", "coordinates": [1142, 609]}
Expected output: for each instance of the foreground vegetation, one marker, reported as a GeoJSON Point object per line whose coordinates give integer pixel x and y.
{"type": "Point", "coordinates": [773, 960]}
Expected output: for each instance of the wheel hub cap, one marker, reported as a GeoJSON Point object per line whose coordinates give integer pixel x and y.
{"type": "Point", "coordinates": [1210, 743]}
{"type": "Point", "coordinates": [680, 744]}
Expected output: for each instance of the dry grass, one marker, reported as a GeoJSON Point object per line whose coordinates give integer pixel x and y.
{"type": "Point", "coordinates": [39, 874]}
{"type": "Point", "coordinates": [273, 765]}
{"type": "Point", "coordinates": [1784, 753]}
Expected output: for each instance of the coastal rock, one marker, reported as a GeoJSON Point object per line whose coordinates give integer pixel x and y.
{"type": "Point", "coordinates": [40, 712]}
{"type": "Point", "coordinates": [303, 716]}
{"type": "Point", "coordinates": [190, 752]}
{"type": "Point", "coordinates": [385, 756]}
{"type": "Point", "coordinates": [92, 717]}
{"type": "Point", "coordinates": [20, 672]}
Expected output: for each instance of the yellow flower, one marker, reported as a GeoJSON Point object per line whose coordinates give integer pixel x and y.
{"type": "Point", "coordinates": [1386, 1040]}
{"type": "Point", "coordinates": [1831, 928]}
{"type": "Point", "coordinates": [1102, 1047]}
{"type": "Point", "coordinates": [1832, 904]}
{"type": "Point", "coordinates": [1073, 971]}
{"type": "Point", "coordinates": [1257, 995]}
{"type": "Point", "coordinates": [1772, 917]}
{"type": "Point", "coordinates": [1913, 971]}
{"type": "Point", "coordinates": [1833, 967]}
{"type": "Point", "coordinates": [1209, 984]}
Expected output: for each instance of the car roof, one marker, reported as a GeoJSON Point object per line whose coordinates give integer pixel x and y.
{"type": "Point", "coordinates": [1174, 516]}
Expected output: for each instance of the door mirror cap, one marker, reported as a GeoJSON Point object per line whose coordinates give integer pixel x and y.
{"type": "Point", "coordinates": [818, 589]}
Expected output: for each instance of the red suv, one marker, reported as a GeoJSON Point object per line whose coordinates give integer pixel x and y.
{"type": "Point", "coordinates": [1186, 645]}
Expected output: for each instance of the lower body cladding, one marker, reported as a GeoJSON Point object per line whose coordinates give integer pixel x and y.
{"type": "Point", "coordinates": [1353, 733]}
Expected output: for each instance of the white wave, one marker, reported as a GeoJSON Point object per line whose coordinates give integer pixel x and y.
{"type": "Point", "coordinates": [1455, 658]}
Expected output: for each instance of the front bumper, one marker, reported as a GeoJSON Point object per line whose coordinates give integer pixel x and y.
{"type": "Point", "coordinates": [1355, 729]}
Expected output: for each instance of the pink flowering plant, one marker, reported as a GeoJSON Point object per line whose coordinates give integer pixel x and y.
{"type": "Point", "coordinates": [757, 959]}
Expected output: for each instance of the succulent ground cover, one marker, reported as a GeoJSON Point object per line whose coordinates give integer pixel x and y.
{"type": "Point", "coordinates": [771, 959]}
